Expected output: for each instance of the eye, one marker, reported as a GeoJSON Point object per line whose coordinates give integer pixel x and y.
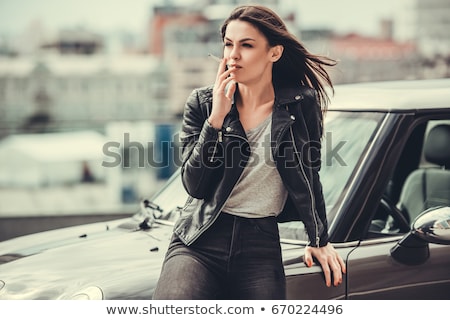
{"type": "Point", "coordinates": [227, 44]}
{"type": "Point", "coordinates": [247, 45]}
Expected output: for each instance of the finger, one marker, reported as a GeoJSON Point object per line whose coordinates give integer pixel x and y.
{"type": "Point", "coordinates": [327, 273]}
{"type": "Point", "coordinates": [226, 75]}
{"type": "Point", "coordinates": [231, 90]}
{"type": "Point", "coordinates": [307, 258]}
{"type": "Point", "coordinates": [342, 264]}
{"type": "Point", "coordinates": [222, 72]}
{"type": "Point", "coordinates": [221, 68]}
{"type": "Point", "coordinates": [224, 87]}
{"type": "Point", "coordinates": [222, 83]}
{"type": "Point", "coordinates": [337, 274]}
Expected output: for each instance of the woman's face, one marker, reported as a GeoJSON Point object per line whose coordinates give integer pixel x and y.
{"type": "Point", "coordinates": [247, 49]}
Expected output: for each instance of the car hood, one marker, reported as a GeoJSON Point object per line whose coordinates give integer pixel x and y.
{"type": "Point", "coordinates": [117, 256]}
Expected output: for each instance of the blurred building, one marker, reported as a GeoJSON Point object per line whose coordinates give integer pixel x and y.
{"type": "Point", "coordinates": [432, 27]}
{"type": "Point", "coordinates": [75, 41]}
{"type": "Point", "coordinates": [433, 36]}
{"type": "Point", "coordinates": [56, 174]}
{"type": "Point", "coordinates": [363, 58]}
{"type": "Point", "coordinates": [58, 92]}
{"type": "Point", "coordinates": [51, 159]}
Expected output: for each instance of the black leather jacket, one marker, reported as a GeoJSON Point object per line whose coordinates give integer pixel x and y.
{"type": "Point", "coordinates": [213, 161]}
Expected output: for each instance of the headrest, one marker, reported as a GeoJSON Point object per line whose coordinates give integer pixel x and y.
{"type": "Point", "coordinates": [437, 145]}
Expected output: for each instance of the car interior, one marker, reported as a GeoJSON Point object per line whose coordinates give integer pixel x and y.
{"type": "Point", "coordinates": [420, 181]}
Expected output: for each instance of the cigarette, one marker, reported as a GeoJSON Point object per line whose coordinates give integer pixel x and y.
{"type": "Point", "coordinates": [214, 57]}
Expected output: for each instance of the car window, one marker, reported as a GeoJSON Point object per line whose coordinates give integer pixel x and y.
{"type": "Point", "coordinates": [346, 138]}
{"type": "Point", "coordinates": [421, 180]}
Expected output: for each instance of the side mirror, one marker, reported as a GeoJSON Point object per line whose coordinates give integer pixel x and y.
{"type": "Point", "coordinates": [431, 226]}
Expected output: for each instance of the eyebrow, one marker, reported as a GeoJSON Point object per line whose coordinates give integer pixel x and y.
{"type": "Point", "coordinates": [242, 40]}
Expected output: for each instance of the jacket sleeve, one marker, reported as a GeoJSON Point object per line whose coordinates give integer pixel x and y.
{"type": "Point", "coordinates": [200, 147]}
{"type": "Point", "coordinates": [313, 118]}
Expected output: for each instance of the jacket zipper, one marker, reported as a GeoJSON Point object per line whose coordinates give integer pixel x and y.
{"type": "Point", "coordinates": [219, 139]}
{"type": "Point", "coordinates": [282, 133]}
{"type": "Point", "coordinates": [311, 195]}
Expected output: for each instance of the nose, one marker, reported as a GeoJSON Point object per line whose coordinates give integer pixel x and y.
{"type": "Point", "coordinates": [234, 54]}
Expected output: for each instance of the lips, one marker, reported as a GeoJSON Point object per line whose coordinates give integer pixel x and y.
{"type": "Point", "coordinates": [234, 65]}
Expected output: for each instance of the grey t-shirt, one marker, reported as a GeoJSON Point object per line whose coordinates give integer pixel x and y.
{"type": "Point", "coordinates": [260, 191]}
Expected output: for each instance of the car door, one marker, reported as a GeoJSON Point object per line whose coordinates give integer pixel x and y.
{"type": "Point", "coordinates": [374, 269]}
{"type": "Point", "coordinates": [373, 273]}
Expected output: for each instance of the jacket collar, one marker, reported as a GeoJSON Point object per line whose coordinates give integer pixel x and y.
{"type": "Point", "coordinates": [287, 95]}
{"type": "Point", "coordinates": [283, 96]}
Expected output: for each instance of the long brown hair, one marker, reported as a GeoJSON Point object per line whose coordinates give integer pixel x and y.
{"type": "Point", "coordinates": [296, 66]}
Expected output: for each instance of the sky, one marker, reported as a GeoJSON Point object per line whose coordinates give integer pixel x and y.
{"type": "Point", "coordinates": [132, 15]}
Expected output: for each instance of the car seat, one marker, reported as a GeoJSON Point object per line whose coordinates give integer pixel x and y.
{"type": "Point", "coordinates": [429, 187]}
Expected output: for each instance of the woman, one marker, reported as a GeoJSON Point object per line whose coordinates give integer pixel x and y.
{"type": "Point", "coordinates": [251, 156]}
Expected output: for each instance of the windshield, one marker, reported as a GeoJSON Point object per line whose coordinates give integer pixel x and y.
{"type": "Point", "coordinates": [171, 198]}
{"type": "Point", "coordinates": [346, 137]}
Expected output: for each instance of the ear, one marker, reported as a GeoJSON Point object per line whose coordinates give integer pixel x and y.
{"type": "Point", "coordinates": [276, 52]}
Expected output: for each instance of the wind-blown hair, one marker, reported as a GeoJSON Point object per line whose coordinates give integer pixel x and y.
{"type": "Point", "coordinates": [296, 66]}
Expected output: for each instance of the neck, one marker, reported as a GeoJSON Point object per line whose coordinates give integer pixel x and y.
{"type": "Point", "coordinates": [251, 97]}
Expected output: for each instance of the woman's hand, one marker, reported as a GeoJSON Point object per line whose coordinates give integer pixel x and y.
{"type": "Point", "coordinates": [331, 262]}
{"type": "Point", "coordinates": [223, 92]}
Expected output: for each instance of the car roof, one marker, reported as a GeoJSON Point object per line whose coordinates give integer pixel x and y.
{"type": "Point", "coordinates": [393, 96]}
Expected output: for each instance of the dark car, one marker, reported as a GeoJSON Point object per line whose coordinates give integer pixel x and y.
{"type": "Point", "coordinates": [386, 181]}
